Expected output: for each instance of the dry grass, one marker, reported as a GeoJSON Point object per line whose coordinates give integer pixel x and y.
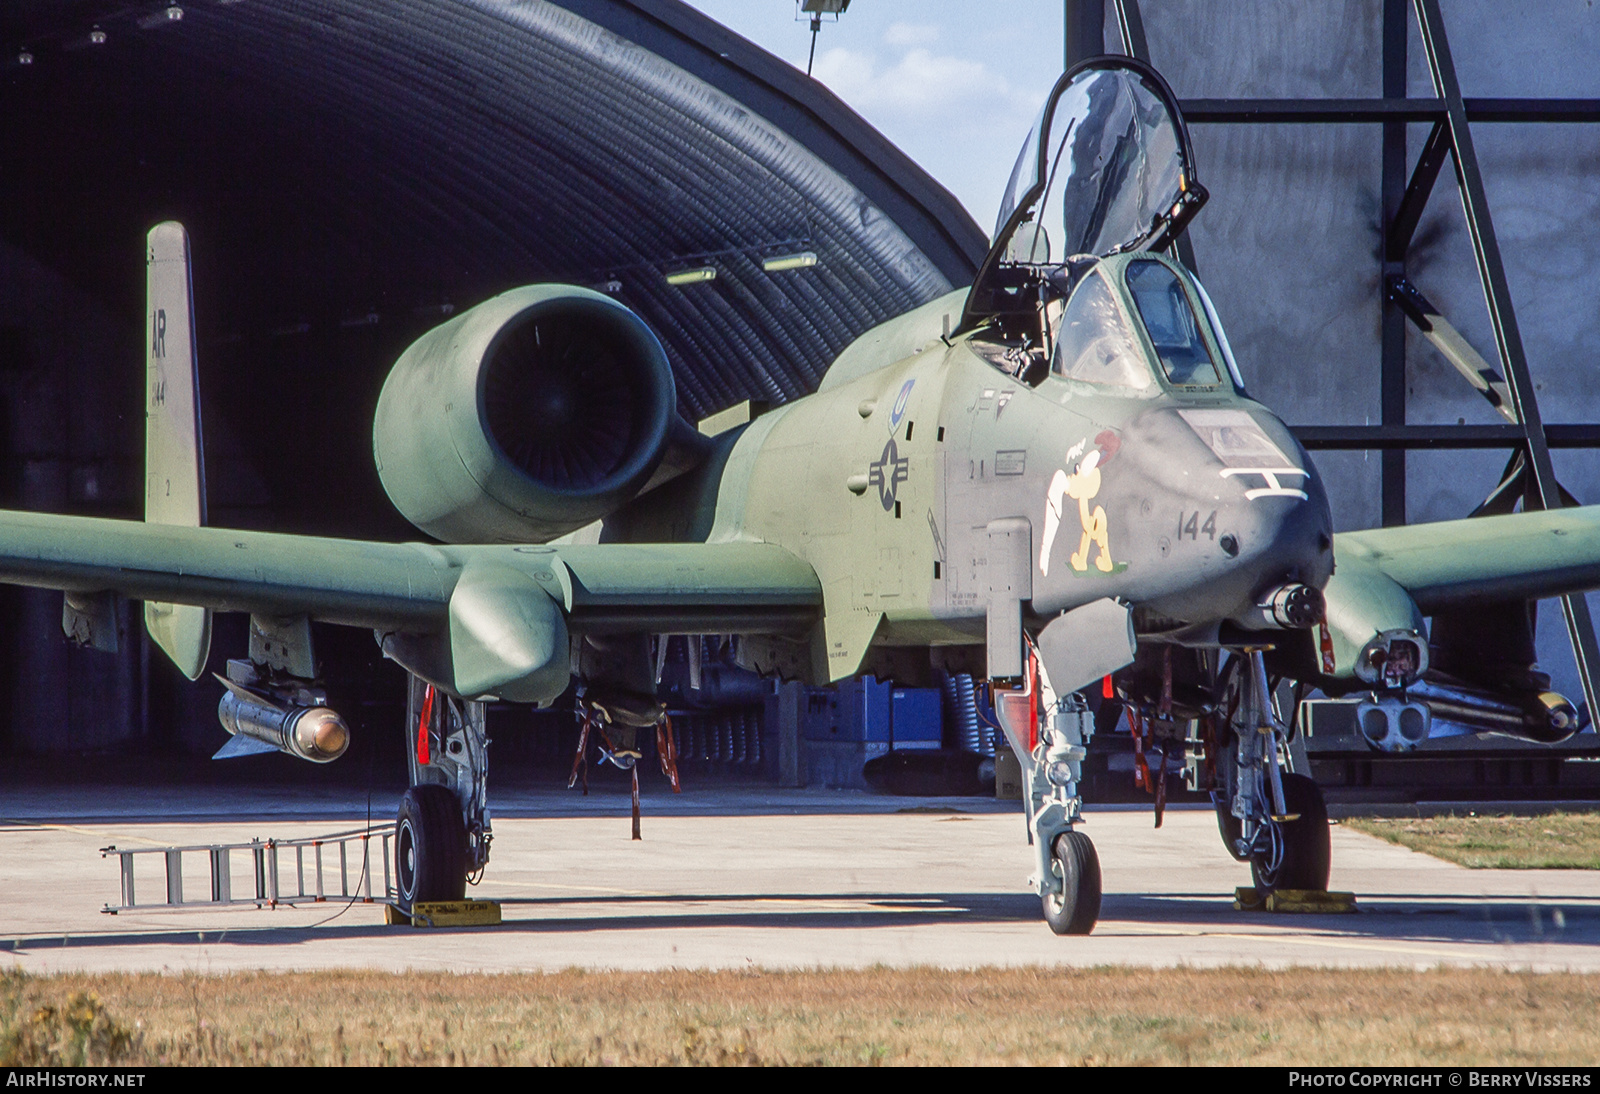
{"type": "Point", "coordinates": [873, 1016]}
{"type": "Point", "coordinates": [1553, 841]}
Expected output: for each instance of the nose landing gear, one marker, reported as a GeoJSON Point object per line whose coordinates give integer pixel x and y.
{"type": "Point", "coordinates": [1298, 854]}
{"type": "Point", "coordinates": [1048, 735]}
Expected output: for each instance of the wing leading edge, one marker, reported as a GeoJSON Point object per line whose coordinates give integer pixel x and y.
{"type": "Point", "coordinates": [1519, 556]}
{"type": "Point", "coordinates": [477, 620]}
{"type": "Point", "coordinates": [1387, 580]}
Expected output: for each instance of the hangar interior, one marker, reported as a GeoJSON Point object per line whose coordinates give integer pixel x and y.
{"type": "Point", "coordinates": [351, 173]}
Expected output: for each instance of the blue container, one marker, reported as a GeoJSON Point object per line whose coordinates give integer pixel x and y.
{"type": "Point", "coordinates": [914, 719]}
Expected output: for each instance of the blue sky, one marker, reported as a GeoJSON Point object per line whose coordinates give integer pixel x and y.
{"type": "Point", "coordinates": [954, 83]}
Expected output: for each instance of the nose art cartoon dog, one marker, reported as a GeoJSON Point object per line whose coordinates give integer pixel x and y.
{"type": "Point", "coordinates": [1082, 483]}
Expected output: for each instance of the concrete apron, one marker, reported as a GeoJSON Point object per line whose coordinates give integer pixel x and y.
{"type": "Point", "coordinates": [763, 877]}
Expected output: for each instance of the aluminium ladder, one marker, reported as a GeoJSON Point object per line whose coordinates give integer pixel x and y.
{"type": "Point", "coordinates": [267, 860]}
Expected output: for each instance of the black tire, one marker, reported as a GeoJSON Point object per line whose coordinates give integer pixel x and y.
{"type": "Point", "coordinates": [1076, 909]}
{"type": "Point", "coordinates": [430, 847]}
{"type": "Point", "coordinates": [1307, 852]}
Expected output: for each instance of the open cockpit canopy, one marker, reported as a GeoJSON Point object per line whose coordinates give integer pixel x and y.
{"type": "Point", "coordinates": [1108, 168]}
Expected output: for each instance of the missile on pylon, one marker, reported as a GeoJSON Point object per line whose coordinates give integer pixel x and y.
{"type": "Point", "coordinates": [261, 722]}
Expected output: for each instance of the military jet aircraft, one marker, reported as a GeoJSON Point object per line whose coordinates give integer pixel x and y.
{"type": "Point", "coordinates": [1054, 480]}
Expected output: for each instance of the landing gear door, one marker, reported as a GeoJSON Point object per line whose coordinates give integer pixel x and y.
{"type": "Point", "coordinates": [1107, 168]}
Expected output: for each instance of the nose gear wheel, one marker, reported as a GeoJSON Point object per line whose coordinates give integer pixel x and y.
{"type": "Point", "coordinates": [1268, 814]}
{"type": "Point", "coordinates": [1075, 909]}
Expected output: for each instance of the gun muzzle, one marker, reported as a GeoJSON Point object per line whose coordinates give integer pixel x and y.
{"type": "Point", "coordinates": [1291, 606]}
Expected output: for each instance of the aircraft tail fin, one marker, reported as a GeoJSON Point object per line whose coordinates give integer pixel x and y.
{"type": "Point", "coordinates": [175, 480]}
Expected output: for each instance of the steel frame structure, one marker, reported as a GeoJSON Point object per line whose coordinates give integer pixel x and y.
{"type": "Point", "coordinates": [1405, 195]}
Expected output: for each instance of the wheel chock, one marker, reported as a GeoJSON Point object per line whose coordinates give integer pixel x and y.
{"type": "Point", "coordinates": [1318, 901]}
{"type": "Point", "coordinates": [446, 913]}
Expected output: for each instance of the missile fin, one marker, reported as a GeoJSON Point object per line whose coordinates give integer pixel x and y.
{"type": "Point", "coordinates": [240, 745]}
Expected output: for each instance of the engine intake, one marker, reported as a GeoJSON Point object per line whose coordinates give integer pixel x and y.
{"type": "Point", "coordinates": [525, 417]}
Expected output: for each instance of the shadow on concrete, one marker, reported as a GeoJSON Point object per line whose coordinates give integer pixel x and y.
{"type": "Point", "coordinates": [1488, 922]}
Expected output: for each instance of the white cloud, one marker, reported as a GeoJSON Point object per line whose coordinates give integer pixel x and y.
{"type": "Point", "coordinates": [911, 34]}
{"type": "Point", "coordinates": [957, 116]}
{"type": "Point", "coordinates": [920, 83]}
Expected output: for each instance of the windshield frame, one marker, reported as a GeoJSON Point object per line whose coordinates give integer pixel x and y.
{"type": "Point", "coordinates": [1137, 346]}
{"type": "Point", "coordinates": [1197, 312]}
{"type": "Point", "coordinates": [1114, 271]}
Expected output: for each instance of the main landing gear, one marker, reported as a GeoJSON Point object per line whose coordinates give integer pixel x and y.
{"type": "Point", "coordinates": [1270, 815]}
{"type": "Point", "coordinates": [442, 835]}
{"type": "Point", "coordinates": [430, 847]}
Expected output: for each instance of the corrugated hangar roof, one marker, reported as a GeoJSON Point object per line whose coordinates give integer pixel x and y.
{"type": "Point", "coordinates": [338, 160]}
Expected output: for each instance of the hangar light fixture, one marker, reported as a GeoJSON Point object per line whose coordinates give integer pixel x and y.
{"type": "Point", "coordinates": [797, 261]}
{"type": "Point", "coordinates": [692, 276]}
{"type": "Point", "coordinates": [22, 59]}
{"type": "Point", "coordinates": [163, 17]}
{"type": "Point", "coordinates": [95, 37]}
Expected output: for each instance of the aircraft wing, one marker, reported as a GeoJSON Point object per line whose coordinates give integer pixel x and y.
{"type": "Point", "coordinates": [478, 619]}
{"type": "Point", "coordinates": [1519, 556]}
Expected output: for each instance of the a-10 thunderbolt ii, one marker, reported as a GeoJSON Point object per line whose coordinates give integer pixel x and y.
{"type": "Point", "coordinates": [1054, 480]}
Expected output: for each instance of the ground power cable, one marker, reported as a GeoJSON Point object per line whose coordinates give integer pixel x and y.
{"type": "Point", "coordinates": [366, 849]}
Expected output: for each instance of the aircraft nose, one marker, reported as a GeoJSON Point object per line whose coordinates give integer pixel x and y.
{"type": "Point", "coordinates": [1284, 533]}
{"type": "Point", "coordinates": [1253, 516]}
{"type": "Point", "coordinates": [1283, 528]}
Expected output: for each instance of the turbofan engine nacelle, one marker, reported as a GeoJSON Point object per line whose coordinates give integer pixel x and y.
{"type": "Point", "coordinates": [524, 418]}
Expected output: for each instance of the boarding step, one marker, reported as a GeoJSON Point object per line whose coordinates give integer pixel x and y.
{"type": "Point", "coordinates": [265, 864]}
